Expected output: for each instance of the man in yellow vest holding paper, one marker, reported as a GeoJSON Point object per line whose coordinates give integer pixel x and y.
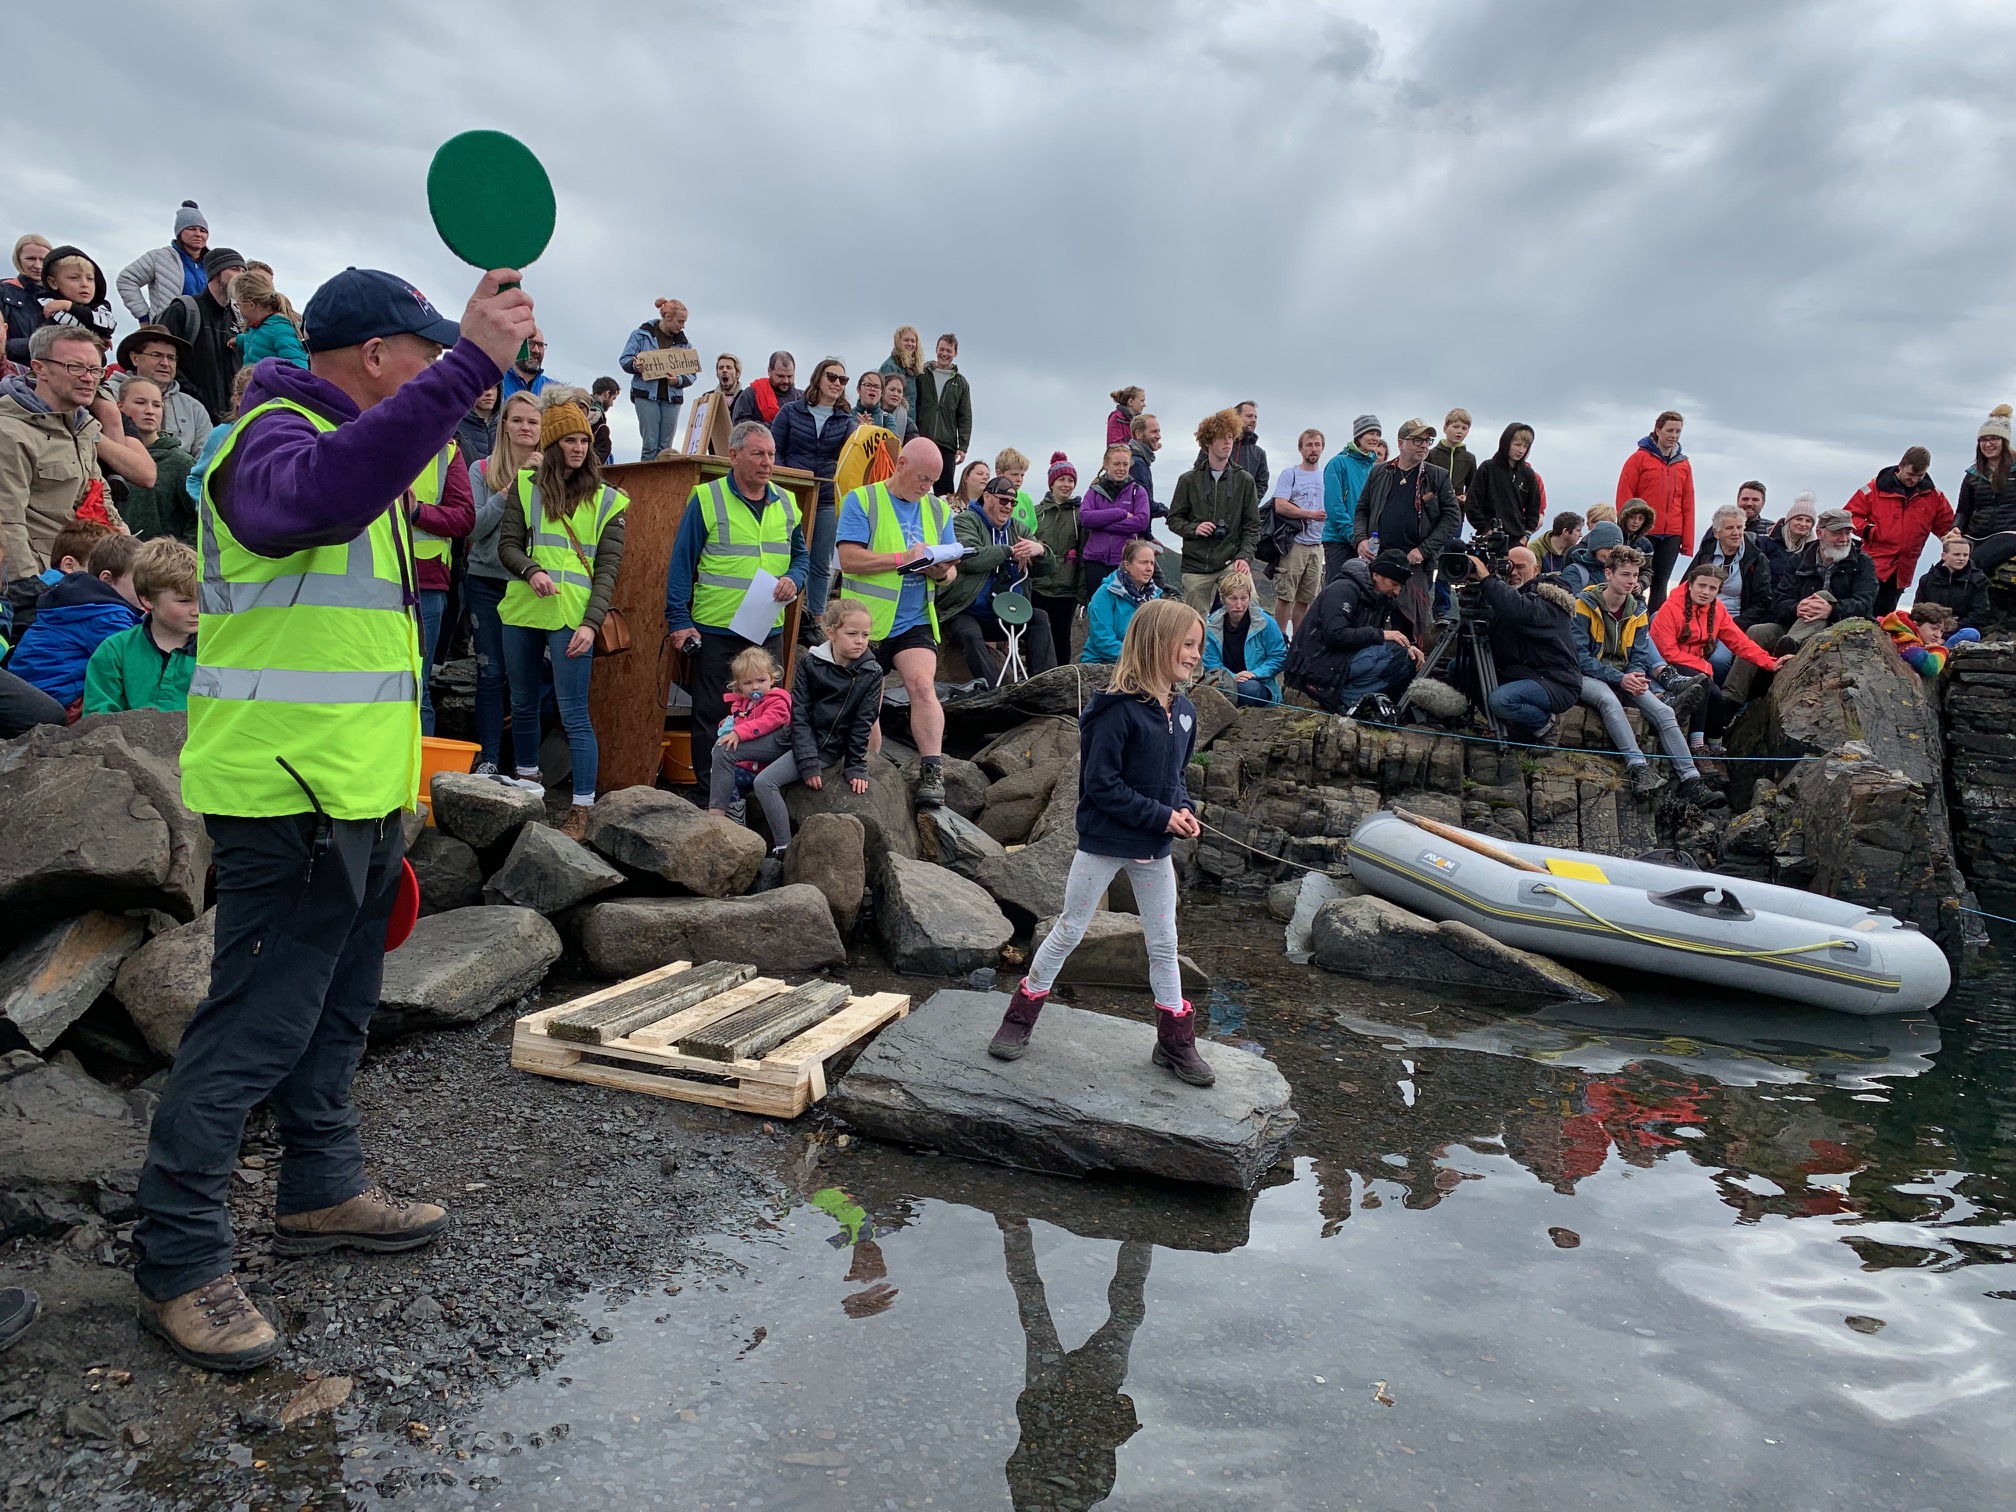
{"type": "Point", "coordinates": [303, 752]}
{"type": "Point", "coordinates": [896, 547]}
{"type": "Point", "coordinates": [735, 527]}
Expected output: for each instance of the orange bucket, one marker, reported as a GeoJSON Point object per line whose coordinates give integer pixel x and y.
{"type": "Point", "coordinates": [676, 757]}
{"type": "Point", "coordinates": [438, 755]}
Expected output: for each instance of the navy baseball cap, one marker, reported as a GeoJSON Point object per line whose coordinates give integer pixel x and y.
{"type": "Point", "coordinates": [360, 304]}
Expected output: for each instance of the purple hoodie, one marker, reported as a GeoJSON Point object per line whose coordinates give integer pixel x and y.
{"type": "Point", "coordinates": [1112, 520]}
{"type": "Point", "coordinates": [287, 487]}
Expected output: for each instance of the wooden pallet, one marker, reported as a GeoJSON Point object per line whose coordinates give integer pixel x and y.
{"type": "Point", "coordinates": [781, 1084]}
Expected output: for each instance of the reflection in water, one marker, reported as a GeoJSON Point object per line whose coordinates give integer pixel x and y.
{"type": "Point", "coordinates": [1073, 1414]}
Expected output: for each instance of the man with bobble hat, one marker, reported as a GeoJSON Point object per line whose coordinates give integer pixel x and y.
{"type": "Point", "coordinates": [303, 756]}
{"type": "Point", "coordinates": [153, 280]}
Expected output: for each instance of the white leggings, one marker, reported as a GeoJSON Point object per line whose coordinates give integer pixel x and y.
{"type": "Point", "coordinates": [1154, 894]}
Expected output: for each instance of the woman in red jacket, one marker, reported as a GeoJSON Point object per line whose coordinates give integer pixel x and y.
{"type": "Point", "coordinates": [1659, 473]}
{"type": "Point", "coordinates": [1688, 630]}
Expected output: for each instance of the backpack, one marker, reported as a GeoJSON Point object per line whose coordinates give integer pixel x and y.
{"type": "Point", "coordinates": [1276, 536]}
{"type": "Point", "coordinates": [869, 456]}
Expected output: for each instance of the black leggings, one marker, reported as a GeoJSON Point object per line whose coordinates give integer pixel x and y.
{"type": "Point", "coordinates": [1061, 611]}
{"type": "Point", "coordinates": [1991, 551]}
{"type": "Point", "coordinates": [1887, 595]}
{"type": "Point", "coordinates": [1665, 552]}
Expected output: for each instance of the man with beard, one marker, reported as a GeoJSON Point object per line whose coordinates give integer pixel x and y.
{"type": "Point", "coordinates": [1146, 440]}
{"type": "Point", "coordinates": [1829, 581]}
{"type": "Point", "coordinates": [768, 394]}
{"type": "Point", "coordinates": [1408, 505]}
{"type": "Point", "coordinates": [207, 324]}
{"type": "Point", "coordinates": [527, 374]}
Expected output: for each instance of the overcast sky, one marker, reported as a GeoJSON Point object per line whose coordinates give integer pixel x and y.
{"type": "Point", "coordinates": [1791, 222]}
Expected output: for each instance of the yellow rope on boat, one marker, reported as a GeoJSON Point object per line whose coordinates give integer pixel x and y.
{"type": "Point", "coordinates": [1666, 942]}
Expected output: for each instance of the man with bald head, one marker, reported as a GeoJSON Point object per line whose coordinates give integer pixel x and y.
{"type": "Point", "coordinates": [1533, 643]}
{"type": "Point", "coordinates": [896, 547]}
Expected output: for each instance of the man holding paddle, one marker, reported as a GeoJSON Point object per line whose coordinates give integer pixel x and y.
{"type": "Point", "coordinates": [303, 752]}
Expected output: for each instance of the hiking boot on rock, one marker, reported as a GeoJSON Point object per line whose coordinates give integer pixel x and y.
{"type": "Point", "coordinates": [931, 785]}
{"type": "Point", "coordinates": [373, 1220]}
{"type": "Point", "coordinates": [1012, 1038]}
{"type": "Point", "coordinates": [1176, 1046]}
{"type": "Point", "coordinates": [575, 824]}
{"type": "Point", "coordinates": [1645, 779]}
{"type": "Point", "coordinates": [214, 1326]}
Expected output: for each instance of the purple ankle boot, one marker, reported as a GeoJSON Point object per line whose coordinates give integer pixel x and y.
{"type": "Point", "coordinates": [1012, 1038]}
{"type": "Point", "coordinates": [1176, 1045]}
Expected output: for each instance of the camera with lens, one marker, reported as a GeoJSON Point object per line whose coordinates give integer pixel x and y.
{"type": "Point", "coordinates": [1493, 548]}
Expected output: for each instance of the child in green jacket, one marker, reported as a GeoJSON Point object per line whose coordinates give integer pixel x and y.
{"type": "Point", "coordinates": [148, 666]}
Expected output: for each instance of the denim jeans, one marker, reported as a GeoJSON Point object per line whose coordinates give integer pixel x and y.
{"type": "Point", "coordinates": [1522, 706]}
{"type": "Point", "coordinates": [819, 581]}
{"type": "Point", "coordinates": [524, 650]}
{"type": "Point", "coordinates": [1384, 668]}
{"type": "Point", "coordinates": [483, 595]}
{"type": "Point", "coordinates": [657, 424]}
{"type": "Point", "coordinates": [432, 602]}
{"type": "Point", "coordinates": [301, 912]}
{"type": "Point", "coordinates": [1720, 660]}
{"type": "Point", "coordinates": [1609, 702]}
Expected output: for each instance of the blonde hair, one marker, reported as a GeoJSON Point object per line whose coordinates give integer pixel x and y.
{"type": "Point", "coordinates": [1007, 459]}
{"type": "Point", "coordinates": [253, 290]}
{"type": "Point", "coordinates": [1598, 513]}
{"type": "Point", "coordinates": [23, 242]}
{"type": "Point", "coordinates": [1459, 413]}
{"type": "Point", "coordinates": [513, 462]}
{"type": "Point", "coordinates": [164, 564]}
{"type": "Point", "coordinates": [1235, 581]}
{"type": "Point", "coordinates": [837, 611]}
{"type": "Point", "coordinates": [914, 363]}
{"type": "Point", "coordinates": [1147, 656]}
{"type": "Point", "coordinates": [240, 381]}
{"type": "Point", "coordinates": [752, 663]}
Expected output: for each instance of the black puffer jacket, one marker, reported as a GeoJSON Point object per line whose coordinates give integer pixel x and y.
{"type": "Point", "coordinates": [1852, 581]}
{"type": "Point", "coordinates": [1347, 616]}
{"type": "Point", "coordinates": [21, 303]}
{"type": "Point", "coordinates": [1533, 638]}
{"type": "Point", "coordinates": [1983, 509]}
{"type": "Point", "coordinates": [1754, 607]}
{"type": "Point", "coordinates": [832, 709]}
{"type": "Point", "coordinates": [1964, 592]}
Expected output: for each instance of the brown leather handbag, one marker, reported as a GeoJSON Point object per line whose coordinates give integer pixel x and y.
{"type": "Point", "coordinates": [612, 636]}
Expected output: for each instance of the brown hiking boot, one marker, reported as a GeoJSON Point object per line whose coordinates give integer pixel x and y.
{"type": "Point", "coordinates": [373, 1220]}
{"type": "Point", "coordinates": [214, 1326]}
{"type": "Point", "coordinates": [575, 825]}
{"type": "Point", "coordinates": [1176, 1046]}
{"type": "Point", "coordinates": [1012, 1038]}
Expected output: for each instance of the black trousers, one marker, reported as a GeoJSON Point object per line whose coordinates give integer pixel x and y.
{"type": "Point", "coordinates": [1665, 552]}
{"type": "Point", "coordinates": [302, 906]}
{"type": "Point", "coordinates": [947, 474]}
{"type": "Point", "coordinates": [1887, 595]}
{"type": "Point", "coordinates": [23, 706]}
{"type": "Point", "coordinates": [970, 632]}
{"type": "Point", "coordinates": [1335, 555]}
{"type": "Point", "coordinates": [1062, 614]}
{"type": "Point", "coordinates": [708, 680]}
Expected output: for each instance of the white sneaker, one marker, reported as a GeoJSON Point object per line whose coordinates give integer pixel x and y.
{"type": "Point", "coordinates": [530, 784]}
{"type": "Point", "coordinates": [484, 769]}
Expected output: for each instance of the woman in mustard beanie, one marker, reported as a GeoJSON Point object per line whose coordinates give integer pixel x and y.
{"type": "Point", "coordinates": [562, 546]}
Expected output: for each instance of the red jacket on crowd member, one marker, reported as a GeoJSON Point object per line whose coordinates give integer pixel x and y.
{"type": "Point", "coordinates": [1666, 483]}
{"type": "Point", "coordinates": [454, 517]}
{"type": "Point", "coordinates": [1686, 633]}
{"type": "Point", "coordinates": [1894, 522]}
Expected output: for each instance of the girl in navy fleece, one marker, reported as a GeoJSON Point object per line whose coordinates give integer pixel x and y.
{"type": "Point", "coordinates": [1134, 741]}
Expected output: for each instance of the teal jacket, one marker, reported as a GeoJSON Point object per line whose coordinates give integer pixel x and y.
{"type": "Point", "coordinates": [1343, 477]}
{"type": "Point", "coordinates": [274, 336]}
{"type": "Point", "coordinates": [1266, 648]}
{"type": "Point", "coordinates": [1106, 617]}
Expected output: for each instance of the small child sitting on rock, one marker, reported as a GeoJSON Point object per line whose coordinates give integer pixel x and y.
{"type": "Point", "coordinates": [836, 699]}
{"type": "Point", "coordinates": [756, 732]}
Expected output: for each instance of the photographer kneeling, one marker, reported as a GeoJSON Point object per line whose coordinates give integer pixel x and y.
{"type": "Point", "coordinates": [1346, 653]}
{"type": "Point", "coordinates": [1532, 628]}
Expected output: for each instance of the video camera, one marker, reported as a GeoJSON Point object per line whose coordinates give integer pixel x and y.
{"type": "Point", "coordinates": [1493, 548]}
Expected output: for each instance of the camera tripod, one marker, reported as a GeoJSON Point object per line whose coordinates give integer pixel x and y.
{"type": "Point", "coordinates": [1464, 640]}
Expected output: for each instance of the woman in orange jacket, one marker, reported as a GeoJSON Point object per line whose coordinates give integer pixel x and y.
{"type": "Point", "coordinates": [1693, 630]}
{"type": "Point", "coordinates": [1659, 473]}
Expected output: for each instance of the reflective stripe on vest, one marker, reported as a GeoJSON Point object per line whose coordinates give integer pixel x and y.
{"type": "Point", "coordinates": [883, 591]}
{"type": "Point", "coordinates": [429, 488]}
{"type": "Point", "coordinates": [738, 542]}
{"type": "Point", "coordinates": [312, 659]}
{"type": "Point", "coordinates": [547, 544]}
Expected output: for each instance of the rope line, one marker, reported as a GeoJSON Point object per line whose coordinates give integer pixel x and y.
{"type": "Point", "coordinates": [1979, 913]}
{"type": "Point", "coordinates": [1528, 745]}
{"type": "Point", "coordinates": [1687, 945]}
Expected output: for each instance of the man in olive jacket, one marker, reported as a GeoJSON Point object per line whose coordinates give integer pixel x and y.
{"type": "Point", "coordinates": [1003, 556]}
{"type": "Point", "coordinates": [1216, 510]}
{"type": "Point", "coordinates": [945, 408]}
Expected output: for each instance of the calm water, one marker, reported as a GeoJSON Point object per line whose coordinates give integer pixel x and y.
{"type": "Point", "coordinates": [1647, 1257]}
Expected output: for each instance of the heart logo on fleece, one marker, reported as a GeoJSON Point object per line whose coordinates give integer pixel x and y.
{"type": "Point", "coordinates": [1185, 719]}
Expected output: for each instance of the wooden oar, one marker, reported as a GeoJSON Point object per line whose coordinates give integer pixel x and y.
{"type": "Point", "coordinates": [1469, 841]}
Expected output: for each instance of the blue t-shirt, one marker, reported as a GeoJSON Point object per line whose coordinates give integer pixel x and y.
{"type": "Point", "coordinates": [856, 527]}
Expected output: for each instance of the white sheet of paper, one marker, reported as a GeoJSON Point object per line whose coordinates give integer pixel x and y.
{"type": "Point", "coordinates": [759, 609]}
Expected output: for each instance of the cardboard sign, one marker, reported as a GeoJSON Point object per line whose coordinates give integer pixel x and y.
{"type": "Point", "coordinates": [666, 362]}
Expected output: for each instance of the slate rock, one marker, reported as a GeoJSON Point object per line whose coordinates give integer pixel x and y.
{"type": "Point", "coordinates": [936, 923]}
{"type": "Point", "coordinates": [457, 966]}
{"type": "Point", "coordinates": [1281, 899]}
{"type": "Point", "coordinates": [161, 983]}
{"type": "Point", "coordinates": [547, 872]}
{"type": "Point", "coordinates": [1084, 1099]}
{"type": "Point", "coordinates": [1379, 941]}
{"type": "Point", "coordinates": [1062, 691]}
{"type": "Point", "coordinates": [784, 932]}
{"type": "Point", "coordinates": [66, 1145]}
{"type": "Point", "coordinates": [481, 811]}
{"type": "Point", "coordinates": [1114, 953]}
{"type": "Point", "coordinates": [829, 852]}
{"type": "Point", "coordinates": [448, 871]}
{"type": "Point", "coordinates": [945, 839]}
{"type": "Point", "coordinates": [652, 833]}
{"type": "Point", "coordinates": [1029, 745]}
{"type": "Point", "coordinates": [1017, 801]}
{"type": "Point", "coordinates": [80, 835]}
{"type": "Point", "coordinates": [1215, 714]}
{"type": "Point", "coordinates": [48, 980]}
{"type": "Point", "coordinates": [886, 810]}
{"type": "Point", "coordinates": [1030, 881]}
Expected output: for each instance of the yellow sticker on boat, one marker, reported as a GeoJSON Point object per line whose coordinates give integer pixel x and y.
{"type": "Point", "coordinates": [1581, 871]}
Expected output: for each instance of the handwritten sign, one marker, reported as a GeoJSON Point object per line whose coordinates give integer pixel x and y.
{"type": "Point", "coordinates": [666, 362]}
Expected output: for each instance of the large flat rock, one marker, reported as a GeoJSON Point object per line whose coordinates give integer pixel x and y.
{"type": "Point", "coordinates": [52, 977]}
{"type": "Point", "coordinates": [1084, 1099]}
{"type": "Point", "coordinates": [70, 1149]}
{"type": "Point", "coordinates": [788, 929]}
{"type": "Point", "coordinates": [457, 966]}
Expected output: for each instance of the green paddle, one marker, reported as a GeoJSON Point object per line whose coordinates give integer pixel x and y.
{"type": "Point", "coordinates": [491, 201]}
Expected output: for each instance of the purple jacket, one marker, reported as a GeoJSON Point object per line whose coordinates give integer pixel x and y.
{"type": "Point", "coordinates": [1112, 520]}
{"type": "Point", "coordinates": [287, 487]}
